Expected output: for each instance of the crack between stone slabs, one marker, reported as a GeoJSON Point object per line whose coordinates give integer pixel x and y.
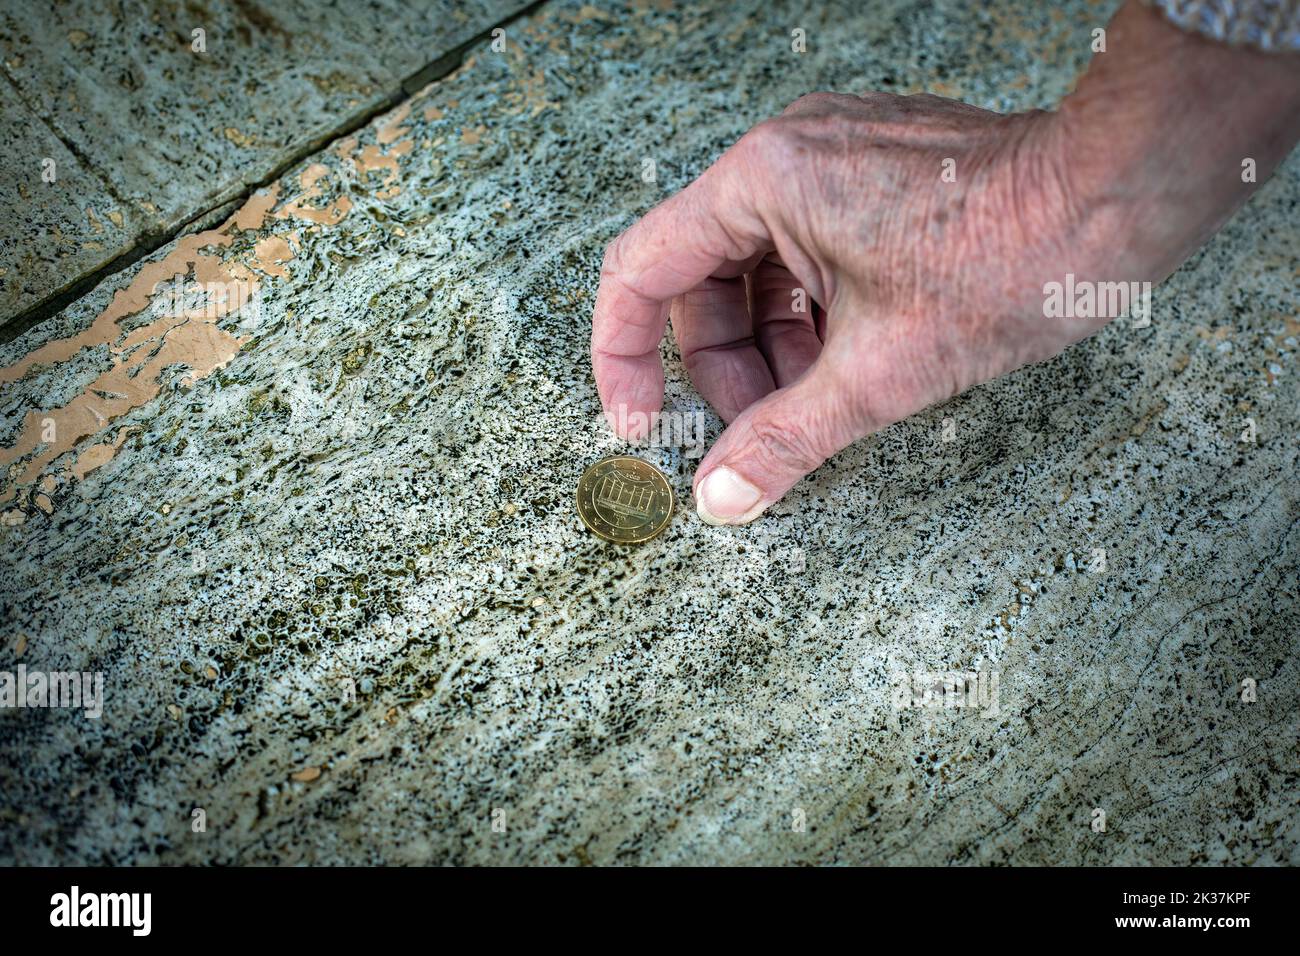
{"type": "Point", "coordinates": [151, 241]}
{"type": "Point", "coordinates": [71, 147]}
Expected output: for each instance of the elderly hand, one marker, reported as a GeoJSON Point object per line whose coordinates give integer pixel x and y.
{"type": "Point", "coordinates": [859, 258]}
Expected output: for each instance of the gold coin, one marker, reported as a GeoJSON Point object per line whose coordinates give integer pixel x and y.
{"type": "Point", "coordinates": [625, 499]}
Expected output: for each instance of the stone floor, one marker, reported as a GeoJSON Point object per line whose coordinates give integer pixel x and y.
{"type": "Point", "coordinates": [156, 116]}
{"type": "Point", "coordinates": [299, 485]}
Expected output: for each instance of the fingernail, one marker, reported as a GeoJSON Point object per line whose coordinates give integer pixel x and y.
{"type": "Point", "coordinates": [725, 498]}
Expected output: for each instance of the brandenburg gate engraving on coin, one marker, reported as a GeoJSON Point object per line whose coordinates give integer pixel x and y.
{"type": "Point", "coordinates": [625, 499]}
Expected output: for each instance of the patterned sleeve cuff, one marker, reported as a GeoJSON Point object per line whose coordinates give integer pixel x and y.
{"type": "Point", "coordinates": [1272, 25]}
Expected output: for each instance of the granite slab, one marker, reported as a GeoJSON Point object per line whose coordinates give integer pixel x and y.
{"type": "Point", "coordinates": [171, 109]}
{"type": "Point", "coordinates": [299, 488]}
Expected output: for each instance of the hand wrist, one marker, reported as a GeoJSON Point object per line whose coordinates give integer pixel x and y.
{"type": "Point", "coordinates": [1168, 134]}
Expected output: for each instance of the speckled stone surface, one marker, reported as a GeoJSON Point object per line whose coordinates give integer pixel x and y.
{"type": "Point", "coordinates": [324, 552]}
{"type": "Point", "coordinates": [160, 131]}
{"type": "Point", "coordinates": [51, 232]}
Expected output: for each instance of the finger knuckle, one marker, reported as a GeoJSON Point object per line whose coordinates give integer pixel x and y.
{"type": "Point", "coordinates": [610, 263]}
{"type": "Point", "coordinates": [788, 443]}
{"type": "Point", "coordinates": [762, 141]}
{"type": "Point", "coordinates": [772, 153]}
{"type": "Point", "coordinates": [811, 101]}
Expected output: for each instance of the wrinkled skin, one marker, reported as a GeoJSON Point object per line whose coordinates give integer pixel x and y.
{"type": "Point", "coordinates": [918, 234]}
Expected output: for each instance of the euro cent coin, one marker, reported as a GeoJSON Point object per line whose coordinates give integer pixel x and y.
{"type": "Point", "coordinates": [625, 499]}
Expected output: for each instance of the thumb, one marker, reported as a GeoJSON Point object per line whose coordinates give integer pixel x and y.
{"type": "Point", "coordinates": [775, 442]}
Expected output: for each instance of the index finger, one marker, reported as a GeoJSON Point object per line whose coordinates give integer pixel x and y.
{"type": "Point", "coordinates": [668, 252]}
